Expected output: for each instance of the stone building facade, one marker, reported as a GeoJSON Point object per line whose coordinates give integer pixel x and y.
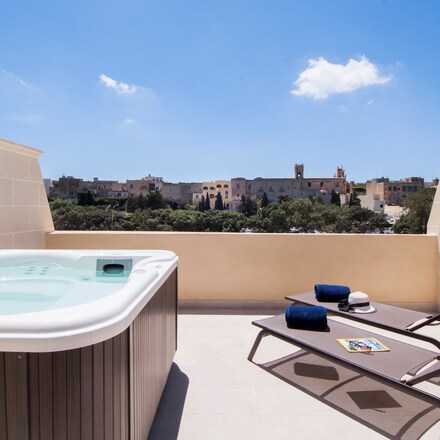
{"type": "Point", "coordinates": [231, 191]}
{"type": "Point", "coordinates": [210, 191]}
{"type": "Point", "coordinates": [292, 188]}
{"type": "Point", "coordinates": [392, 192]}
{"type": "Point", "coordinates": [181, 193]}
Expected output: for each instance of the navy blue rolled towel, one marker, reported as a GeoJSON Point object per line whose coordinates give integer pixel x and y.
{"type": "Point", "coordinates": [311, 317]}
{"type": "Point", "coordinates": [331, 293]}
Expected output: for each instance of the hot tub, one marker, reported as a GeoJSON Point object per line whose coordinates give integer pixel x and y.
{"type": "Point", "coordinates": [87, 339]}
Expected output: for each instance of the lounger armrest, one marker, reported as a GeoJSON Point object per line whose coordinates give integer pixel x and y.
{"type": "Point", "coordinates": [422, 323]}
{"type": "Point", "coordinates": [422, 372]}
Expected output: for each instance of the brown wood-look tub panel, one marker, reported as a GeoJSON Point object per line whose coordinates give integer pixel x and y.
{"type": "Point", "coordinates": [73, 400]}
{"type": "Point", "coordinates": [3, 419]}
{"type": "Point", "coordinates": [98, 391]}
{"type": "Point", "coordinates": [45, 395]}
{"type": "Point", "coordinates": [59, 362]}
{"type": "Point", "coordinates": [84, 394]}
{"type": "Point", "coordinates": [86, 398]}
{"type": "Point", "coordinates": [108, 389]}
{"type": "Point", "coordinates": [16, 390]}
{"type": "Point", "coordinates": [34, 393]}
{"type": "Point", "coordinates": [153, 338]}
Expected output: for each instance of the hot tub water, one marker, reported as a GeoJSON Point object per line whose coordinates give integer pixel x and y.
{"type": "Point", "coordinates": [30, 288]}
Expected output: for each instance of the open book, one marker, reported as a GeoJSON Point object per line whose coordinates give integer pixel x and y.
{"type": "Point", "coordinates": [362, 345]}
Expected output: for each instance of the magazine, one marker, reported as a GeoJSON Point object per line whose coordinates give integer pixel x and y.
{"type": "Point", "coordinates": [362, 345]}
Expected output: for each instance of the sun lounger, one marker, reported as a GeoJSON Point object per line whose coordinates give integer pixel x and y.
{"type": "Point", "coordinates": [396, 319]}
{"type": "Point", "coordinates": [404, 364]}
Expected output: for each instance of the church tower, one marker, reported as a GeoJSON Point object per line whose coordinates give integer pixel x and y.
{"type": "Point", "coordinates": [340, 172]}
{"type": "Point", "coordinates": [299, 171]}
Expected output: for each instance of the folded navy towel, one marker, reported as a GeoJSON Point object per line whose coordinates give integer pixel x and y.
{"type": "Point", "coordinates": [312, 317]}
{"type": "Point", "coordinates": [331, 293]}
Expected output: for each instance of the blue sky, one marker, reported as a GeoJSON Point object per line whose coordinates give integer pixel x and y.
{"type": "Point", "coordinates": [203, 90]}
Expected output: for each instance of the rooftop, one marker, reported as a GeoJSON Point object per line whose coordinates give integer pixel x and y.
{"type": "Point", "coordinates": [214, 392]}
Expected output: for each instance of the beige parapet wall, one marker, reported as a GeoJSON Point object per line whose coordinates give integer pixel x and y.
{"type": "Point", "coordinates": [24, 211]}
{"type": "Point", "coordinates": [265, 267]}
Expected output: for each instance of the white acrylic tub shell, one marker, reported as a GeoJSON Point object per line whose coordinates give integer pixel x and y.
{"type": "Point", "coordinates": [90, 322]}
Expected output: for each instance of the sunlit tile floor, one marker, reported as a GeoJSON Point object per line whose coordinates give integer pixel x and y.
{"type": "Point", "coordinates": [214, 392]}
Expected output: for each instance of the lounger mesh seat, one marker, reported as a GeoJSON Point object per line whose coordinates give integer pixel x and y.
{"type": "Point", "coordinates": [396, 319]}
{"type": "Point", "coordinates": [400, 365]}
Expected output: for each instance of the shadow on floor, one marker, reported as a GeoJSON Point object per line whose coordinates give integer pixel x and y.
{"type": "Point", "coordinates": [384, 408]}
{"type": "Point", "coordinates": [166, 423]}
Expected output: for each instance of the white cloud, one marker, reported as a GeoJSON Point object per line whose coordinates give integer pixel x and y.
{"type": "Point", "coordinates": [322, 78]}
{"type": "Point", "coordinates": [129, 121]}
{"type": "Point", "coordinates": [370, 102]}
{"type": "Point", "coordinates": [120, 87]}
{"type": "Point", "coordinates": [12, 80]}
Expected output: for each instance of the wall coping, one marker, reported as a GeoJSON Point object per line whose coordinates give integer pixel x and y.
{"type": "Point", "coordinates": [19, 148]}
{"type": "Point", "coordinates": [255, 234]}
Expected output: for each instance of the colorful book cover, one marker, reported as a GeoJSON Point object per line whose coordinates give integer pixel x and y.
{"type": "Point", "coordinates": [362, 345]}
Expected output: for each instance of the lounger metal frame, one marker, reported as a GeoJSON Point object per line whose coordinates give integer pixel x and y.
{"type": "Point", "coordinates": [317, 342]}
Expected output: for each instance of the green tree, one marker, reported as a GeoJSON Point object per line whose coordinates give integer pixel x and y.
{"type": "Point", "coordinates": [132, 204]}
{"type": "Point", "coordinates": [418, 208]}
{"type": "Point", "coordinates": [264, 200]}
{"type": "Point", "coordinates": [360, 189]}
{"type": "Point", "coordinates": [207, 203]}
{"type": "Point", "coordinates": [223, 221]}
{"type": "Point", "coordinates": [141, 202]}
{"type": "Point", "coordinates": [234, 221]}
{"type": "Point", "coordinates": [248, 206]}
{"type": "Point", "coordinates": [283, 199]}
{"type": "Point", "coordinates": [306, 215]}
{"type": "Point", "coordinates": [316, 200]}
{"type": "Point", "coordinates": [354, 199]}
{"type": "Point", "coordinates": [378, 221]}
{"type": "Point", "coordinates": [403, 225]}
{"type": "Point", "coordinates": [60, 203]}
{"type": "Point", "coordinates": [117, 202]}
{"type": "Point", "coordinates": [335, 198]}
{"type": "Point", "coordinates": [218, 202]}
{"type": "Point", "coordinates": [202, 204]}
{"type": "Point", "coordinates": [154, 200]}
{"type": "Point", "coordinates": [85, 198]}
{"type": "Point", "coordinates": [87, 218]}
{"type": "Point", "coordinates": [182, 220]}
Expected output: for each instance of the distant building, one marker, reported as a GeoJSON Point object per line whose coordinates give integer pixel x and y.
{"type": "Point", "coordinates": [99, 188]}
{"type": "Point", "coordinates": [372, 202]}
{"type": "Point", "coordinates": [117, 191]}
{"type": "Point", "coordinates": [68, 187]}
{"type": "Point", "coordinates": [210, 191]}
{"type": "Point", "coordinates": [231, 191]}
{"type": "Point", "coordinates": [143, 186]}
{"type": "Point", "coordinates": [432, 184]}
{"type": "Point", "coordinates": [181, 193]}
{"type": "Point", "coordinates": [394, 191]}
{"type": "Point", "coordinates": [292, 188]}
